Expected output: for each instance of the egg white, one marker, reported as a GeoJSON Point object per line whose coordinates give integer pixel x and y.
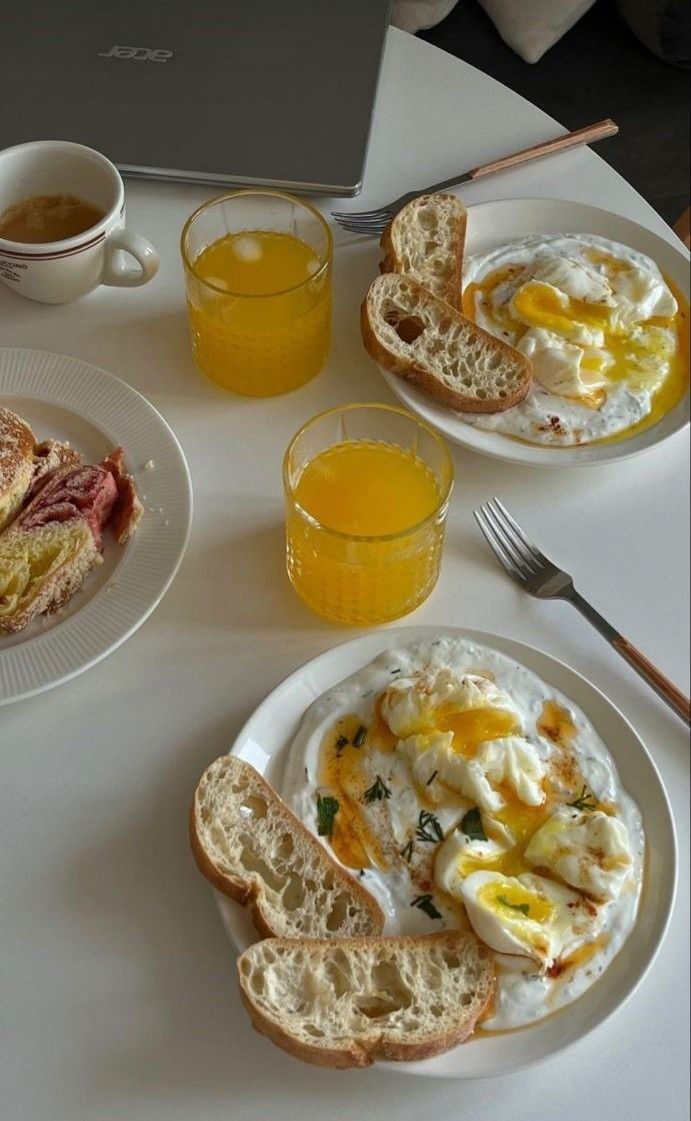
{"type": "Point", "coordinates": [527, 915]}
{"type": "Point", "coordinates": [585, 848]}
{"type": "Point", "coordinates": [563, 362]}
{"type": "Point", "coordinates": [525, 993]}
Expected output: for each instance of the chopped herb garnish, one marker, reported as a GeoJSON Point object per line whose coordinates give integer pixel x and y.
{"type": "Point", "coordinates": [327, 808]}
{"type": "Point", "coordinates": [342, 741]}
{"type": "Point", "coordinates": [377, 792]}
{"type": "Point", "coordinates": [431, 778]}
{"type": "Point", "coordinates": [407, 851]}
{"type": "Point", "coordinates": [472, 826]}
{"type": "Point", "coordinates": [360, 736]}
{"type": "Point", "coordinates": [393, 671]}
{"type": "Point", "coordinates": [428, 828]}
{"type": "Point", "coordinates": [424, 902]}
{"type": "Point", "coordinates": [585, 800]}
{"type": "Point", "coordinates": [524, 908]}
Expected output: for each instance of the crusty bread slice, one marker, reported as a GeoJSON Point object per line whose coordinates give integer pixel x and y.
{"type": "Point", "coordinates": [425, 240]}
{"type": "Point", "coordinates": [423, 339]}
{"type": "Point", "coordinates": [346, 1002]}
{"type": "Point", "coordinates": [16, 463]}
{"type": "Point", "coordinates": [251, 846]}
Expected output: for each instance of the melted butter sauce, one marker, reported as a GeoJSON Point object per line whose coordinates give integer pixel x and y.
{"type": "Point", "coordinates": [579, 956]}
{"type": "Point", "coordinates": [340, 774]}
{"type": "Point", "coordinates": [555, 724]}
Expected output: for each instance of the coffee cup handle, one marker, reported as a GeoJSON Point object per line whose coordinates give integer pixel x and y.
{"type": "Point", "coordinates": [116, 272]}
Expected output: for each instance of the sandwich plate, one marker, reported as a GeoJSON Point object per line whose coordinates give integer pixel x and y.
{"type": "Point", "coordinates": [493, 224]}
{"type": "Point", "coordinates": [264, 742]}
{"type": "Point", "coordinates": [66, 399]}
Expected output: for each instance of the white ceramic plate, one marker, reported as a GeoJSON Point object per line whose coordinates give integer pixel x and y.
{"type": "Point", "coordinates": [494, 223]}
{"type": "Point", "coordinates": [71, 400]}
{"type": "Point", "coordinates": [264, 743]}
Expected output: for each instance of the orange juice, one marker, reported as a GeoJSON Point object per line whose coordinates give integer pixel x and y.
{"type": "Point", "coordinates": [367, 489]}
{"type": "Point", "coordinates": [258, 282]}
{"type": "Point", "coordinates": [369, 548]}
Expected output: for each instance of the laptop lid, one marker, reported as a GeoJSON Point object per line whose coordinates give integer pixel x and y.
{"type": "Point", "coordinates": [277, 92]}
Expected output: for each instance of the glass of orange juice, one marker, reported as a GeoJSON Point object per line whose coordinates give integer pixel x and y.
{"type": "Point", "coordinates": [367, 489]}
{"type": "Point", "coordinates": [258, 283]}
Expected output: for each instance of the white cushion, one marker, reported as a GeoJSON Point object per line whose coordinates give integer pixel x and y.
{"type": "Point", "coordinates": [531, 27]}
{"type": "Point", "coordinates": [418, 15]}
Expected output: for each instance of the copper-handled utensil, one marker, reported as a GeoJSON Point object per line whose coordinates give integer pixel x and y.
{"type": "Point", "coordinates": [373, 221]}
{"type": "Point", "coordinates": [542, 578]}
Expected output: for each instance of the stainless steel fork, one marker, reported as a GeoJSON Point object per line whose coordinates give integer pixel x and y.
{"type": "Point", "coordinates": [373, 221]}
{"type": "Point", "coordinates": [542, 578]}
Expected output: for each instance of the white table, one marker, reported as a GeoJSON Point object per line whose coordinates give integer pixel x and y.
{"type": "Point", "coordinates": [118, 998]}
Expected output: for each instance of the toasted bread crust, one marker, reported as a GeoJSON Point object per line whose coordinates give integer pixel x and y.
{"type": "Point", "coordinates": [403, 361]}
{"type": "Point", "coordinates": [440, 269]}
{"type": "Point", "coordinates": [245, 892]}
{"type": "Point", "coordinates": [249, 889]}
{"type": "Point", "coordinates": [379, 1038]}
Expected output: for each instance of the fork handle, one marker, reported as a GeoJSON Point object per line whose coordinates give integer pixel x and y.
{"type": "Point", "coordinates": [643, 667]}
{"type": "Point", "coordinates": [585, 135]}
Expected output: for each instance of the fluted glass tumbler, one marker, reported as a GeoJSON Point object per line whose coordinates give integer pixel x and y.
{"type": "Point", "coordinates": [258, 284]}
{"type": "Point", "coordinates": [367, 490]}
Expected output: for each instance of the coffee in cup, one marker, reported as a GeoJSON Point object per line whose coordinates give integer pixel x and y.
{"type": "Point", "coordinates": [62, 223]}
{"type": "Point", "coordinates": [48, 218]}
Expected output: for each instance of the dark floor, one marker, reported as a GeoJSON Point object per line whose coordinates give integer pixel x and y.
{"type": "Point", "coordinates": [599, 69]}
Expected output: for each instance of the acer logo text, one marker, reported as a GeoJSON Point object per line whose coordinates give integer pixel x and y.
{"type": "Point", "coordinates": [141, 54]}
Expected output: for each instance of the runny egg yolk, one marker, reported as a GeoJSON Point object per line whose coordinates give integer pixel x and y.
{"type": "Point", "coordinates": [475, 726]}
{"type": "Point", "coordinates": [515, 900]}
{"type": "Point", "coordinates": [627, 356]}
{"type": "Point", "coordinates": [538, 305]}
{"type": "Point", "coordinates": [523, 821]}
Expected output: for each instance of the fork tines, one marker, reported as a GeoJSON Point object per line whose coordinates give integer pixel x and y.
{"type": "Point", "coordinates": [365, 222]}
{"type": "Point", "coordinates": [507, 540]}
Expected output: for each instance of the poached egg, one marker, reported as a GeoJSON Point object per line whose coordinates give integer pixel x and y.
{"type": "Point", "coordinates": [606, 335]}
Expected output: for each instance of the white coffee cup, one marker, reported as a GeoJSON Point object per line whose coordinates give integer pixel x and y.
{"type": "Point", "coordinates": [57, 272]}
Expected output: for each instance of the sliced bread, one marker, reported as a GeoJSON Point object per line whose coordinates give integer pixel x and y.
{"type": "Point", "coordinates": [251, 846]}
{"type": "Point", "coordinates": [414, 334]}
{"type": "Point", "coordinates": [425, 240]}
{"type": "Point", "coordinates": [346, 1002]}
{"type": "Point", "coordinates": [16, 463]}
{"type": "Point", "coordinates": [53, 544]}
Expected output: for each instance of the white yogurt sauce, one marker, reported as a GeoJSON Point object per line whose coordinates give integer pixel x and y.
{"type": "Point", "coordinates": [523, 994]}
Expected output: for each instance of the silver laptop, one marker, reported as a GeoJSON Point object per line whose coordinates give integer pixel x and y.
{"type": "Point", "coordinates": [277, 92]}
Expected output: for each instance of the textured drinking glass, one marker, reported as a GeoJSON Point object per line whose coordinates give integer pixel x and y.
{"type": "Point", "coordinates": [365, 577]}
{"type": "Point", "coordinates": [258, 285]}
